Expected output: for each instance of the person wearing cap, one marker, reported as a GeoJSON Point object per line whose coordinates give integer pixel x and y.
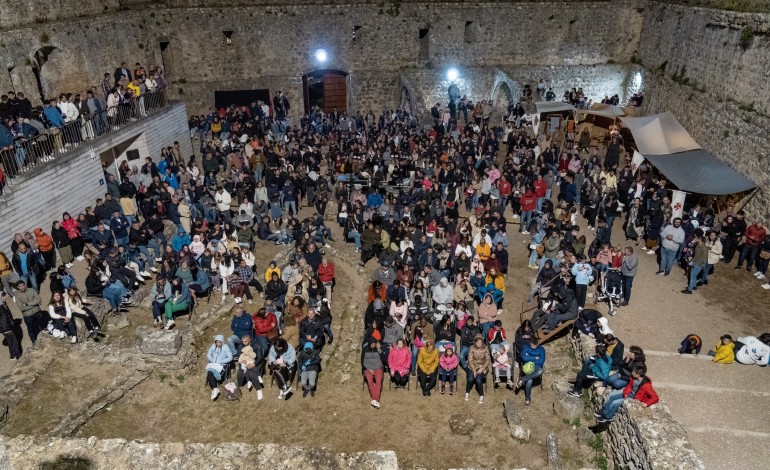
{"type": "Point", "coordinates": [385, 274]}
{"type": "Point", "coordinates": [219, 356]}
{"type": "Point", "coordinates": [309, 364]}
{"type": "Point", "coordinates": [250, 361]}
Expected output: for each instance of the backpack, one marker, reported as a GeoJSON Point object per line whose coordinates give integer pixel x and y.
{"type": "Point", "coordinates": [232, 392]}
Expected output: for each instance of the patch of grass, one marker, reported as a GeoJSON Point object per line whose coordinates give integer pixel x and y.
{"type": "Point", "coordinates": [725, 134]}
{"type": "Point", "coordinates": [44, 38]}
{"type": "Point", "coordinates": [596, 444]}
{"type": "Point", "coordinates": [747, 38]}
{"type": "Point", "coordinates": [162, 376]}
{"type": "Point", "coordinates": [662, 67]}
{"type": "Point", "coordinates": [574, 422]}
{"type": "Point", "coordinates": [180, 378]}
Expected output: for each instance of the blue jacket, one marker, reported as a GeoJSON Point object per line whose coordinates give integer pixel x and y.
{"type": "Point", "coordinates": [582, 277]}
{"type": "Point", "coordinates": [289, 357]}
{"type": "Point", "coordinates": [536, 356]}
{"type": "Point", "coordinates": [242, 326]}
{"type": "Point", "coordinates": [374, 199]}
{"type": "Point", "coordinates": [179, 241]}
{"type": "Point", "coordinates": [120, 227]}
{"type": "Point", "coordinates": [6, 138]}
{"type": "Point", "coordinates": [202, 279]}
{"type": "Point", "coordinates": [601, 367]}
{"type": "Point", "coordinates": [53, 115]}
{"type": "Point", "coordinates": [497, 294]}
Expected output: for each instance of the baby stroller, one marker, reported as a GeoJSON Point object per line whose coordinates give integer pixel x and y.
{"type": "Point", "coordinates": [611, 290]}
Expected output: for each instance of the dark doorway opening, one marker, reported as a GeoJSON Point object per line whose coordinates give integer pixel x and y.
{"type": "Point", "coordinates": [327, 89]}
{"type": "Point", "coordinates": [223, 99]}
{"type": "Point", "coordinates": [167, 58]}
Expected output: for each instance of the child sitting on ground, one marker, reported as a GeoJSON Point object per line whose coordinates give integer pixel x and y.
{"type": "Point", "coordinates": [691, 344]}
{"type": "Point", "coordinates": [724, 351]}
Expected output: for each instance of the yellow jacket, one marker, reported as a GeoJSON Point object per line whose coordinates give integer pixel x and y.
{"type": "Point", "coordinates": [499, 281]}
{"type": "Point", "coordinates": [134, 88]}
{"type": "Point", "coordinates": [484, 252]}
{"type": "Point", "coordinates": [427, 361]}
{"type": "Point", "coordinates": [269, 273]}
{"type": "Point", "coordinates": [724, 353]}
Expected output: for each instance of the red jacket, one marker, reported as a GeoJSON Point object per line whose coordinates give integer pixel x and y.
{"type": "Point", "coordinates": [262, 326]}
{"type": "Point", "coordinates": [326, 273]}
{"type": "Point", "coordinates": [645, 394]}
{"type": "Point", "coordinates": [540, 188]}
{"type": "Point", "coordinates": [504, 186]}
{"type": "Point", "coordinates": [493, 332]}
{"type": "Point", "coordinates": [529, 200]}
{"type": "Point", "coordinates": [755, 235]}
{"type": "Point", "coordinates": [71, 226]}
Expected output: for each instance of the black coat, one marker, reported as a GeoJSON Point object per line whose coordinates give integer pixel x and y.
{"type": "Point", "coordinates": [6, 319]}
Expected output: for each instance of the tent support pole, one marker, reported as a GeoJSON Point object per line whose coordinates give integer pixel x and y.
{"type": "Point", "coordinates": [756, 190]}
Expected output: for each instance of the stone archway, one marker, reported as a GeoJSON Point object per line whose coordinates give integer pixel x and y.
{"type": "Point", "coordinates": [406, 100]}
{"type": "Point", "coordinates": [502, 96]}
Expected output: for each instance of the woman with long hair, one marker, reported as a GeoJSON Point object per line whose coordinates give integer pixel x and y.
{"type": "Point", "coordinates": [74, 302]}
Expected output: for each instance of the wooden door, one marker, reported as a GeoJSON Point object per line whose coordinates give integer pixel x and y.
{"type": "Point", "coordinates": [335, 92]}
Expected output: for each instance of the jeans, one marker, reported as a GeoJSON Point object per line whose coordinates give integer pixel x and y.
{"type": "Point", "coordinates": [415, 352]}
{"type": "Point", "coordinates": [34, 324]}
{"type": "Point", "coordinates": [527, 381]}
{"type": "Point", "coordinates": [613, 404]}
{"type": "Point", "coordinates": [485, 327]}
{"type": "Point", "coordinates": [290, 205]}
{"type": "Point", "coordinates": [122, 241]}
{"type": "Point", "coordinates": [667, 257]}
{"type": "Point", "coordinates": [539, 205]}
{"type": "Point", "coordinates": [261, 341]}
{"type": "Point", "coordinates": [232, 343]}
{"type": "Point", "coordinates": [157, 309]}
{"type": "Point", "coordinates": [628, 282]}
{"type": "Point", "coordinates": [533, 258]}
{"type": "Point", "coordinates": [114, 293]}
{"type": "Point", "coordinates": [31, 281]}
{"type": "Point", "coordinates": [695, 269]}
{"type": "Point", "coordinates": [748, 253]}
{"type": "Point", "coordinates": [704, 275]}
{"type": "Point", "coordinates": [464, 350]}
{"type": "Point", "coordinates": [616, 381]}
{"type": "Point", "coordinates": [356, 238]}
{"type": "Point", "coordinates": [526, 216]}
{"type": "Point", "coordinates": [503, 203]}
{"type": "Point", "coordinates": [478, 380]}
{"type": "Point", "coordinates": [610, 221]}
{"type": "Point", "coordinates": [447, 375]}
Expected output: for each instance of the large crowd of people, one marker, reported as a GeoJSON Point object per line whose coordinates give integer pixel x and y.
{"type": "Point", "coordinates": [438, 281]}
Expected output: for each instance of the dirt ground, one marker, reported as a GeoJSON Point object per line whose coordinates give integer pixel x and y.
{"type": "Point", "coordinates": [178, 408]}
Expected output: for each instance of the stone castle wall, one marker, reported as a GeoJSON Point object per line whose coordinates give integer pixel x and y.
{"type": "Point", "coordinates": [698, 69]}
{"type": "Point", "coordinates": [274, 45]}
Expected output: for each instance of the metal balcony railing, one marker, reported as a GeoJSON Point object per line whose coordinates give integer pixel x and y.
{"type": "Point", "coordinates": [29, 154]}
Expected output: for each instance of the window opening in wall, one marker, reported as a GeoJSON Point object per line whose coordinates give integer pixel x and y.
{"type": "Point", "coordinates": [424, 41]}
{"type": "Point", "coordinates": [167, 58]}
{"type": "Point", "coordinates": [228, 37]}
{"type": "Point", "coordinates": [355, 32]}
{"type": "Point", "coordinates": [472, 31]}
{"type": "Point", "coordinates": [132, 154]}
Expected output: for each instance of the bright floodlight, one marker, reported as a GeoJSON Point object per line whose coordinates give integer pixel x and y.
{"type": "Point", "coordinates": [452, 74]}
{"type": "Point", "coordinates": [320, 55]}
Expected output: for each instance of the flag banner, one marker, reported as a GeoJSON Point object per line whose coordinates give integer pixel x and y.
{"type": "Point", "coordinates": [636, 162]}
{"type": "Point", "coordinates": [677, 203]}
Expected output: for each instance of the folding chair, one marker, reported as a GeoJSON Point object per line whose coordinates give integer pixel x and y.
{"type": "Point", "coordinates": [392, 386]}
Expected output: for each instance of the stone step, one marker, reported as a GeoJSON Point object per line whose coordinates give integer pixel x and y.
{"type": "Point", "coordinates": [699, 371]}
{"type": "Point", "coordinates": [722, 448]}
{"type": "Point", "coordinates": [699, 409]}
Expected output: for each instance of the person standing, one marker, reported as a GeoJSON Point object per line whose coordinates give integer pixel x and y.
{"type": "Point", "coordinates": [28, 301]}
{"type": "Point", "coordinates": [372, 363]}
{"type": "Point", "coordinates": [699, 261]}
{"type": "Point", "coordinates": [6, 328]}
{"type": "Point", "coordinates": [672, 237]}
{"type": "Point", "coordinates": [628, 270]}
{"type": "Point", "coordinates": [753, 237]}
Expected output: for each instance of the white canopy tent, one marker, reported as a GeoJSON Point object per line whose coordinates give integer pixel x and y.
{"type": "Point", "coordinates": [660, 134]}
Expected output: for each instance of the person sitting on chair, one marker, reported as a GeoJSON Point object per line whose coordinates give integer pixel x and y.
{"type": "Point", "coordinates": [281, 360]}
{"type": "Point", "coordinates": [250, 360]}
{"type": "Point", "coordinates": [399, 363]}
{"type": "Point", "coordinates": [219, 357]}
{"type": "Point", "coordinates": [532, 362]}
{"type": "Point", "coordinates": [309, 363]}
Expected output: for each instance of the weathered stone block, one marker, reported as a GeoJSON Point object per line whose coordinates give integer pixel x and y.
{"type": "Point", "coordinates": [162, 342]}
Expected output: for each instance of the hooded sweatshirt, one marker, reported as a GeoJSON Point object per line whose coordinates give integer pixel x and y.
{"type": "Point", "coordinates": [44, 241]}
{"type": "Point", "coordinates": [443, 293]}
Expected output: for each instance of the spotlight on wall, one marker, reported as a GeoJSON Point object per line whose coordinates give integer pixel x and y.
{"type": "Point", "coordinates": [320, 55]}
{"type": "Point", "coordinates": [638, 79]}
{"type": "Point", "coordinates": [452, 74]}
